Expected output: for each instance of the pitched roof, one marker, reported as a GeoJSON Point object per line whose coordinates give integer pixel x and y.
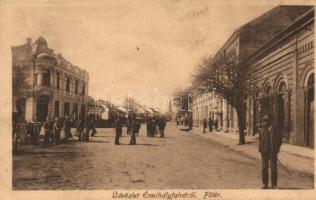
{"type": "Point", "coordinates": [262, 29]}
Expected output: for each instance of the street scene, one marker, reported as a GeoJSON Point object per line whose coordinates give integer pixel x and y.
{"type": "Point", "coordinates": [162, 95]}
{"type": "Point", "coordinates": [187, 160]}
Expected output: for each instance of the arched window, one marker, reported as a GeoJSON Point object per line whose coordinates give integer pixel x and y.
{"type": "Point", "coordinates": [282, 88]}
{"type": "Point", "coordinates": [268, 90]}
{"type": "Point", "coordinates": [310, 81]}
{"type": "Point", "coordinates": [309, 112]}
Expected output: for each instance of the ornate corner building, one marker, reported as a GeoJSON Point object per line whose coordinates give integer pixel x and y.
{"type": "Point", "coordinates": [45, 85]}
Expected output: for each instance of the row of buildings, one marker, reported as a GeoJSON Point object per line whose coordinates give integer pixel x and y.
{"type": "Point", "coordinates": [279, 47]}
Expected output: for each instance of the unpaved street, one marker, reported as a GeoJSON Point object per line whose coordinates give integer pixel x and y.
{"type": "Point", "coordinates": [181, 160]}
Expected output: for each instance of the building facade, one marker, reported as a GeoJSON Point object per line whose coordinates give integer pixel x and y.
{"type": "Point", "coordinates": [246, 40]}
{"type": "Point", "coordinates": [52, 86]}
{"type": "Point", "coordinates": [279, 48]}
{"type": "Point", "coordinates": [284, 68]}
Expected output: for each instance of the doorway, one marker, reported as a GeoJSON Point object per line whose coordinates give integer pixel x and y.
{"type": "Point", "coordinates": [42, 108]}
{"type": "Point", "coordinates": [309, 112]}
{"type": "Point", "coordinates": [281, 104]}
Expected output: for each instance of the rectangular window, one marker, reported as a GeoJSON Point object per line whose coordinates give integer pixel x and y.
{"type": "Point", "coordinates": [36, 79]}
{"type": "Point", "coordinates": [56, 108]}
{"type": "Point", "coordinates": [46, 78]}
{"type": "Point", "coordinates": [76, 87]}
{"type": "Point", "coordinates": [66, 109]}
{"type": "Point", "coordinates": [68, 84]}
{"type": "Point", "coordinates": [58, 81]}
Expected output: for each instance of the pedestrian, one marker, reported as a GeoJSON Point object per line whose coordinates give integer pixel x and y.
{"type": "Point", "coordinates": [93, 129]}
{"type": "Point", "coordinates": [148, 126]}
{"type": "Point", "coordinates": [47, 129]}
{"type": "Point", "coordinates": [204, 125]}
{"type": "Point", "coordinates": [138, 126]}
{"type": "Point", "coordinates": [269, 146]}
{"type": "Point", "coordinates": [152, 127]}
{"type": "Point", "coordinates": [67, 129]}
{"type": "Point", "coordinates": [87, 129]}
{"type": "Point", "coordinates": [79, 128]}
{"type": "Point", "coordinates": [56, 130]}
{"type": "Point", "coordinates": [128, 125]}
{"type": "Point", "coordinates": [134, 127]}
{"type": "Point", "coordinates": [190, 124]}
{"type": "Point", "coordinates": [216, 124]}
{"type": "Point", "coordinates": [210, 124]}
{"type": "Point", "coordinates": [162, 125]}
{"type": "Point", "coordinates": [118, 130]}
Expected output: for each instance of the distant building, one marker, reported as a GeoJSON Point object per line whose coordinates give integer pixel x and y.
{"type": "Point", "coordinates": [209, 106]}
{"type": "Point", "coordinates": [52, 86]}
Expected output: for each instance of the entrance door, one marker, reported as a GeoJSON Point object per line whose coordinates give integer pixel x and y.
{"type": "Point", "coordinates": [42, 108]}
{"type": "Point", "coordinates": [309, 135]}
{"type": "Point", "coordinates": [281, 113]}
{"type": "Point", "coordinates": [256, 113]}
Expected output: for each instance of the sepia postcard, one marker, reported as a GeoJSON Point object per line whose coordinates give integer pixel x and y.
{"type": "Point", "coordinates": [160, 99]}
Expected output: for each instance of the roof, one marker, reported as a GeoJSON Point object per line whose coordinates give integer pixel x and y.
{"type": "Point", "coordinates": [306, 18]}
{"type": "Point", "coordinates": [258, 31]}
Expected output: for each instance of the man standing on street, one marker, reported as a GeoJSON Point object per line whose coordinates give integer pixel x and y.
{"type": "Point", "coordinates": [162, 125]}
{"type": "Point", "coordinates": [118, 130]}
{"type": "Point", "coordinates": [269, 146]}
{"type": "Point", "coordinates": [134, 127]}
{"type": "Point", "coordinates": [210, 124]}
{"type": "Point", "coordinates": [204, 125]}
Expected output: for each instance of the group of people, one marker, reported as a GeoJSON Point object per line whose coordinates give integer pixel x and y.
{"type": "Point", "coordinates": [133, 126]}
{"type": "Point", "coordinates": [59, 130]}
{"type": "Point", "coordinates": [210, 124]}
{"type": "Point", "coordinates": [154, 126]}
{"type": "Point", "coordinates": [185, 121]}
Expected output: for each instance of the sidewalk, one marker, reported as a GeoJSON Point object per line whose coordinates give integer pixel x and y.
{"type": "Point", "coordinates": [295, 158]}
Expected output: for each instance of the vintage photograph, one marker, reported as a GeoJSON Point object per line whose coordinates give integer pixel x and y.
{"type": "Point", "coordinates": [162, 95]}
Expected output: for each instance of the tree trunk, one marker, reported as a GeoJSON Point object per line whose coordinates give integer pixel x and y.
{"type": "Point", "coordinates": [241, 124]}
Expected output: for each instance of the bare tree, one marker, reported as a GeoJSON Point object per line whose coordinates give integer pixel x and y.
{"type": "Point", "coordinates": [230, 79]}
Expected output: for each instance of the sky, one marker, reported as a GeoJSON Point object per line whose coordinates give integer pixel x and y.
{"type": "Point", "coordinates": [144, 48]}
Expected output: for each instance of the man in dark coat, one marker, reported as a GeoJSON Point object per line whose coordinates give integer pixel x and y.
{"type": "Point", "coordinates": [138, 126]}
{"type": "Point", "coordinates": [67, 129]}
{"type": "Point", "coordinates": [93, 129]}
{"type": "Point", "coordinates": [148, 126]}
{"type": "Point", "coordinates": [190, 123]}
{"type": "Point", "coordinates": [269, 146]}
{"type": "Point", "coordinates": [134, 127]}
{"type": "Point", "coordinates": [162, 125]}
{"type": "Point", "coordinates": [204, 125]}
{"type": "Point", "coordinates": [48, 127]}
{"type": "Point", "coordinates": [118, 130]}
{"type": "Point", "coordinates": [128, 125]}
{"type": "Point", "coordinates": [216, 124]}
{"type": "Point", "coordinates": [210, 124]}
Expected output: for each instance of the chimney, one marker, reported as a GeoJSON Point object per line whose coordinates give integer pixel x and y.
{"type": "Point", "coordinates": [29, 40]}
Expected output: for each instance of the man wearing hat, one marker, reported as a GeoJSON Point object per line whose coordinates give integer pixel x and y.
{"type": "Point", "coordinates": [269, 146]}
{"type": "Point", "coordinates": [118, 130]}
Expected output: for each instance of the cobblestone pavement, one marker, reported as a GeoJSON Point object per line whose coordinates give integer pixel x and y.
{"type": "Point", "coordinates": [181, 160]}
